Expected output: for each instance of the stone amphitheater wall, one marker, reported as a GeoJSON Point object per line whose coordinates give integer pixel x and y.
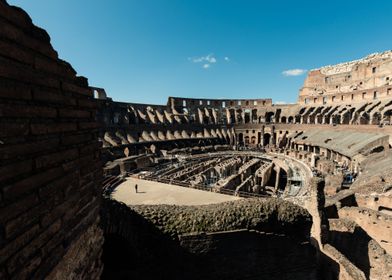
{"type": "Point", "coordinates": [52, 125]}
{"type": "Point", "coordinates": [50, 171]}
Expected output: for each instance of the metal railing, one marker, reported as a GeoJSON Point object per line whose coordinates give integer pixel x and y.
{"type": "Point", "coordinates": [109, 183]}
{"type": "Point", "coordinates": [204, 188]}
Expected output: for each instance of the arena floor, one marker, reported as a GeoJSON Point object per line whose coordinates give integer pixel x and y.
{"type": "Point", "coordinates": [158, 193]}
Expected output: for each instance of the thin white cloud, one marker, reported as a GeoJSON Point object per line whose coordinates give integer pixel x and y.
{"type": "Point", "coordinates": [280, 102]}
{"type": "Point", "coordinates": [196, 59]}
{"type": "Point", "coordinates": [294, 72]}
{"type": "Point", "coordinates": [211, 59]}
{"type": "Point", "coordinates": [206, 61]}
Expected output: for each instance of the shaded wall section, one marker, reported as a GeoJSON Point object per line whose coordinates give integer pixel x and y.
{"type": "Point", "coordinates": [244, 239]}
{"type": "Point", "coordinates": [50, 171]}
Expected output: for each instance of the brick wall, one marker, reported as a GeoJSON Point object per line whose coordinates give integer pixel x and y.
{"type": "Point", "coordinates": [50, 170]}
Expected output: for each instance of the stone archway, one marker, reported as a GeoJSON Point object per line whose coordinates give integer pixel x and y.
{"type": "Point", "coordinates": [240, 138]}
{"type": "Point", "coordinates": [247, 116]}
{"type": "Point", "coordinates": [253, 140]}
{"type": "Point", "coordinates": [364, 119]}
{"type": "Point", "coordinates": [254, 116]}
{"type": "Point", "coordinates": [376, 119]}
{"type": "Point", "coordinates": [269, 117]}
{"type": "Point", "coordinates": [266, 139]}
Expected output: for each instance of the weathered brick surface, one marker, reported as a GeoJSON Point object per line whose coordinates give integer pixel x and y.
{"type": "Point", "coordinates": [49, 158]}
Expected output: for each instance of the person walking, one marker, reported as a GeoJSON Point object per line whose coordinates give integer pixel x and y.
{"type": "Point", "coordinates": [136, 188]}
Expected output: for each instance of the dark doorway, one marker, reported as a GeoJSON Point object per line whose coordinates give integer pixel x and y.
{"type": "Point", "coordinates": [267, 138]}
{"type": "Point", "coordinates": [241, 139]}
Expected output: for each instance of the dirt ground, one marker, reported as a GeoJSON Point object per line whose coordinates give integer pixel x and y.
{"type": "Point", "coordinates": [158, 193]}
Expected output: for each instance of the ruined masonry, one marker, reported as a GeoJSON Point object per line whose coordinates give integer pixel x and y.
{"type": "Point", "coordinates": [305, 189]}
{"type": "Point", "coordinates": [50, 172]}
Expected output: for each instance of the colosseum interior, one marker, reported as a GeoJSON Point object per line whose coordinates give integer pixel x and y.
{"type": "Point", "coordinates": [227, 189]}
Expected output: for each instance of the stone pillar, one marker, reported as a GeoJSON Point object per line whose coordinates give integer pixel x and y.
{"type": "Point", "coordinates": [228, 116]}
{"type": "Point", "coordinates": [273, 138]}
{"type": "Point", "coordinates": [352, 116]}
{"type": "Point", "coordinates": [277, 169]}
{"type": "Point", "coordinates": [233, 139]}
{"type": "Point", "coordinates": [314, 157]}
{"type": "Point", "coordinates": [315, 206]}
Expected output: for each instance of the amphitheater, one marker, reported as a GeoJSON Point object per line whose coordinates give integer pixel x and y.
{"type": "Point", "coordinates": [195, 188]}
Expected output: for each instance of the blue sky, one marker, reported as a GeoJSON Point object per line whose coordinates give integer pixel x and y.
{"type": "Point", "coordinates": [144, 51]}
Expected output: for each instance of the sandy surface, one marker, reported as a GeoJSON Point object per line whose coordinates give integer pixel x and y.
{"type": "Point", "coordinates": [158, 193]}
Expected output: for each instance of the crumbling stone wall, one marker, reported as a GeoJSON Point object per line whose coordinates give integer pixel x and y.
{"type": "Point", "coordinates": [252, 238]}
{"type": "Point", "coordinates": [50, 170]}
{"type": "Point", "coordinates": [263, 214]}
{"type": "Point", "coordinates": [377, 202]}
{"type": "Point", "coordinates": [334, 265]}
{"type": "Point", "coordinates": [363, 251]}
{"type": "Point", "coordinates": [377, 225]}
{"type": "Point", "coordinates": [364, 79]}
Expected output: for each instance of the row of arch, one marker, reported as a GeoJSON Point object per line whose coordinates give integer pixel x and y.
{"type": "Point", "coordinates": [134, 115]}
{"type": "Point", "coordinates": [264, 139]}
{"type": "Point", "coordinates": [131, 115]}
{"type": "Point", "coordinates": [368, 113]}
{"type": "Point", "coordinates": [122, 137]}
